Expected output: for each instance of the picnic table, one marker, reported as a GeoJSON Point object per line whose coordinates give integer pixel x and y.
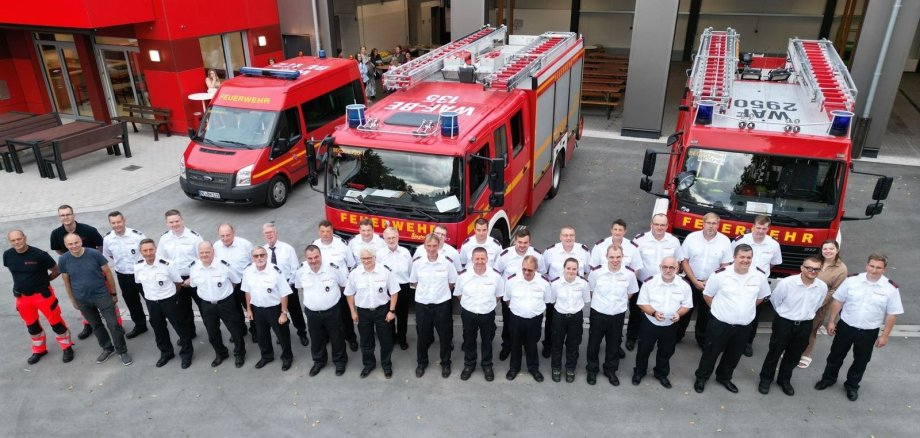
{"type": "Point", "coordinates": [607, 92]}
{"type": "Point", "coordinates": [13, 116]}
{"type": "Point", "coordinates": [36, 140]}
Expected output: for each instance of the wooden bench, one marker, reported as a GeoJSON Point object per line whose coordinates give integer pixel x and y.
{"type": "Point", "coordinates": [603, 99]}
{"type": "Point", "coordinates": [22, 127]}
{"type": "Point", "coordinates": [104, 137]}
{"type": "Point", "coordinates": [148, 115]}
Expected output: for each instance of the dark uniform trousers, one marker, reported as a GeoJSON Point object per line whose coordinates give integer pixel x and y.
{"type": "Point", "coordinates": [228, 311]}
{"type": "Point", "coordinates": [428, 319]}
{"type": "Point", "coordinates": [266, 319]}
{"type": "Point", "coordinates": [753, 333]}
{"type": "Point", "coordinates": [862, 341]}
{"type": "Point", "coordinates": [326, 325]}
{"type": "Point", "coordinates": [702, 317]}
{"type": "Point", "coordinates": [506, 326]}
{"type": "Point", "coordinates": [548, 326]}
{"type": "Point", "coordinates": [649, 335]}
{"type": "Point", "coordinates": [132, 293]}
{"type": "Point", "coordinates": [567, 330]}
{"type": "Point", "coordinates": [240, 297]}
{"type": "Point", "coordinates": [297, 319]}
{"type": "Point", "coordinates": [477, 324]}
{"type": "Point", "coordinates": [525, 333]}
{"type": "Point", "coordinates": [164, 310]}
{"type": "Point", "coordinates": [406, 298]}
{"type": "Point", "coordinates": [101, 313]}
{"type": "Point", "coordinates": [723, 339]}
{"type": "Point", "coordinates": [602, 326]}
{"type": "Point", "coordinates": [635, 315]}
{"type": "Point", "coordinates": [185, 295]}
{"type": "Point", "coordinates": [369, 322]}
{"type": "Point", "coordinates": [789, 340]}
{"type": "Point", "coordinates": [348, 326]}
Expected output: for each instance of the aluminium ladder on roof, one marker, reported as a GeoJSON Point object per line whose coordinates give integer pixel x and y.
{"type": "Point", "coordinates": [530, 59]}
{"type": "Point", "coordinates": [416, 70]}
{"type": "Point", "coordinates": [823, 74]}
{"type": "Point", "coordinates": [713, 73]}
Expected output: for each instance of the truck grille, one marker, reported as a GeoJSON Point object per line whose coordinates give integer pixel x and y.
{"type": "Point", "coordinates": [210, 180]}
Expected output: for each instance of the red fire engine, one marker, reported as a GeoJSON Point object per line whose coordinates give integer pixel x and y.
{"type": "Point", "coordinates": [763, 135]}
{"type": "Point", "coordinates": [465, 119]}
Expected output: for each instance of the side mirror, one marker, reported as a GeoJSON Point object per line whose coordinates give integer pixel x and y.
{"type": "Point", "coordinates": [874, 209]}
{"type": "Point", "coordinates": [645, 184]}
{"type": "Point", "coordinates": [674, 137]}
{"type": "Point", "coordinates": [497, 182]}
{"type": "Point", "coordinates": [279, 145]}
{"type": "Point", "coordinates": [192, 134]}
{"type": "Point", "coordinates": [684, 180]}
{"type": "Point", "coordinates": [882, 187]}
{"type": "Point", "coordinates": [648, 164]}
{"type": "Point", "coordinates": [311, 162]}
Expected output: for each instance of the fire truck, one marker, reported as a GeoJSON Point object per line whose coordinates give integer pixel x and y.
{"type": "Point", "coordinates": [760, 135]}
{"type": "Point", "coordinates": [480, 127]}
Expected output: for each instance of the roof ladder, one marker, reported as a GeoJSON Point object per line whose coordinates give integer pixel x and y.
{"type": "Point", "coordinates": [823, 74]}
{"type": "Point", "coordinates": [713, 72]}
{"type": "Point", "coordinates": [414, 71]}
{"type": "Point", "coordinates": [530, 59]}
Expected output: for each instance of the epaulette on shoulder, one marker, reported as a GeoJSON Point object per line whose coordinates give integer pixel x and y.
{"type": "Point", "coordinates": [647, 279]}
{"type": "Point", "coordinates": [584, 247]}
{"type": "Point", "coordinates": [192, 263]}
{"type": "Point", "coordinates": [538, 251]}
{"type": "Point", "coordinates": [599, 242]}
{"type": "Point", "coordinates": [137, 232]}
{"type": "Point", "coordinates": [334, 266]}
{"type": "Point", "coordinates": [109, 233]}
{"type": "Point", "coordinates": [467, 239]}
{"type": "Point", "coordinates": [738, 237]}
{"type": "Point", "coordinates": [194, 232]}
{"type": "Point", "coordinates": [224, 262]}
{"type": "Point", "coordinates": [277, 269]}
{"type": "Point", "coordinates": [512, 275]}
{"type": "Point", "coordinates": [139, 261]}
{"type": "Point", "coordinates": [893, 283]}
{"type": "Point", "coordinates": [164, 262]}
{"type": "Point", "coordinates": [761, 271]}
{"type": "Point", "coordinates": [496, 271]}
{"type": "Point", "coordinates": [247, 265]}
{"type": "Point", "coordinates": [545, 277]}
{"type": "Point", "coordinates": [504, 252]}
{"type": "Point", "coordinates": [639, 235]}
{"type": "Point", "coordinates": [553, 280]}
{"type": "Point", "coordinates": [718, 270]}
{"type": "Point", "coordinates": [634, 243]}
{"type": "Point", "coordinates": [495, 241]}
{"type": "Point", "coordinates": [853, 274]}
{"type": "Point", "coordinates": [164, 233]}
{"type": "Point", "coordinates": [630, 269]}
{"type": "Point", "coordinates": [461, 272]}
{"type": "Point", "coordinates": [594, 268]}
{"type": "Point", "coordinates": [548, 247]}
{"type": "Point", "coordinates": [416, 258]}
{"type": "Point", "coordinates": [449, 259]}
{"type": "Point", "coordinates": [388, 268]}
{"type": "Point", "coordinates": [337, 237]}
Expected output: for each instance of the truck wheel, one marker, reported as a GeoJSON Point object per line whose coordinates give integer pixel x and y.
{"type": "Point", "coordinates": [557, 177]}
{"type": "Point", "coordinates": [277, 192]}
{"type": "Point", "coordinates": [498, 233]}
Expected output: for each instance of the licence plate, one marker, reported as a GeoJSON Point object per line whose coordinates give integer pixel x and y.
{"type": "Point", "coordinates": [207, 194]}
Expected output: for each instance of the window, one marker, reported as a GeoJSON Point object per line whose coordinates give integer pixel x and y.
{"type": "Point", "coordinates": [330, 106]}
{"type": "Point", "coordinates": [479, 169]}
{"type": "Point", "coordinates": [288, 128]}
{"type": "Point", "coordinates": [501, 144]}
{"type": "Point", "coordinates": [517, 132]}
{"type": "Point", "coordinates": [224, 53]}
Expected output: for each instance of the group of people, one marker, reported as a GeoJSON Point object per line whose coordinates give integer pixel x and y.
{"type": "Point", "coordinates": [372, 281]}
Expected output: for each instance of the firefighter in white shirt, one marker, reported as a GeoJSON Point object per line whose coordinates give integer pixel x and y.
{"type": "Point", "coordinates": [365, 238]}
{"type": "Point", "coordinates": [654, 245]}
{"type": "Point", "coordinates": [284, 256]}
{"type": "Point", "coordinates": [433, 277]}
{"type": "Point", "coordinates": [554, 257]}
{"type": "Point", "coordinates": [479, 288]}
{"type": "Point", "coordinates": [214, 280]}
{"type": "Point", "coordinates": [766, 255]}
{"type": "Point", "coordinates": [704, 251]}
{"type": "Point", "coordinates": [480, 239]}
{"type": "Point", "coordinates": [236, 251]}
{"type": "Point", "coordinates": [267, 292]}
{"type": "Point", "coordinates": [570, 293]}
{"type": "Point", "coordinates": [631, 258]}
{"type": "Point", "coordinates": [443, 248]}
{"type": "Point", "coordinates": [398, 259]}
{"type": "Point", "coordinates": [322, 284]}
{"type": "Point", "coordinates": [121, 247]}
{"type": "Point", "coordinates": [372, 291]}
{"type": "Point", "coordinates": [612, 285]}
{"type": "Point", "coordinates": [335, 250]}
{"type": "Point", "coordinates": [509, 263]}
{"type": "Point", "coordinates": [160, 281]}
{"type": "Point", "coordinates": [527, 294]}
{"type": "Point", "coordinates": [179, 245]}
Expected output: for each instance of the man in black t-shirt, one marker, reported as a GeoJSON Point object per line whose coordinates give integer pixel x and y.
{"type": "Point", "coordinates": [32, 270]}
{"type": "Point", "coordinates": [91, 239]}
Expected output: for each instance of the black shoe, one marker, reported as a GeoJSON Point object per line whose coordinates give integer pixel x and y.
{"type": "Point", "coordinates": [763, 387]}
{"type": "Point", "coordinates": [537, 375]}
{"type": "Point", "coordinates": [665, 382]}
{"type": "Point", "coordinates": [502, 355]}
{"type": "Point", "coordinates": [728, 385]}
{"type": "Point", "coordinates": [636, 379]}
{"type": "Point", "coordinates": [186, 363]}
{"type": "Point", "coordinates": [787, 388]}
{"type": "Point", "coordinates": [353, 344]}
{"type": "Point", "coordinates": [87, 330]}
{"type": "Point", "coordinates": [339, 371]}
{"type": "Point", "coordinates": [488, 373]}
{"type": "Point", "coordinates": [164, 359]}
{"type": "Point", "coordinates": [749, 350]}
{"type": "Point", "coordinates": [388, 373]}
{"type": "Point", "coordinates": [403, 345]}
{"type": "Point", "coordinates": [699, 385]}
{"type": "Point", "coordinates": [556, 375]}
{"type": "Point", "coordinates": [445, 371]}
{"type": "Point", "coordinates": [104, 356]}
{"type": "Point", "coordinates": [68, 355]}
{"type": "Point", "coordinates": [547, 352]}
{"type": "Point", "coordinates": [630, 344]}
{"type": "Point", "coordinates": [366, 372]}
{"type": "Point", "coordinates": [419, 371]}
{"type": "Point", "coordinates": [569, 376]}
{"type": "Point", "coordinates": [137, 331]}
{"type": "Point", "coordinates": [620, 353]}
{"type": "Point", "coordinates": [35, 357]}
{"type": "Point", "coordinates": [286, 365]}
{"type": "Point", "coordinates": [511, 374]}
{"type": "Point", "coordinates": [822, 384]}
{"type": "Point", "coordinates": [304, 340]}
{"type": "Point", "coordinates": [239, 361]}
{"type": "Point", "coordinates": [592, 378]}
{"type": "Point", "coordinates": [612, 377]}
{"type": "Point", "coordinates": [466, 373]}
{"type": "Point", "coordinates": [217, 361]}
{"type": "Point", "coordinates": [852, 395]}
{"type": "Point", "coordinates": [315, 369]}
{"type": "Point", "coordinates": [262, 362]}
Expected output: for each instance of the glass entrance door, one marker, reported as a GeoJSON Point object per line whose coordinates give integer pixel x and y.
{"type": "Point", "coordinates": [62, 69]}
{"type": "Point", "coordinates": [125, 82]}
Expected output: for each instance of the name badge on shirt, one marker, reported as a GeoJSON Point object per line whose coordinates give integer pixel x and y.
{"type": "Point", "coordinates": [327, 288]}
{"type": "Point", "coordinates": [133, 251]}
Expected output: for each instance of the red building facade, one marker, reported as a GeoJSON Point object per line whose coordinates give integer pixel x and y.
{"type": "Point", "coordinates": [87, 58]}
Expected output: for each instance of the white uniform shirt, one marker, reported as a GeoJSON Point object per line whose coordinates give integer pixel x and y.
{"type": "Point", "coordinates": [734, 296]}
{"type": "Point", "coordinates": [631, 258]}
{"type": "Point", "coordinates": [286, 258]}
{"type": "Point", "coordinates": [214, 282]}
{"type": "Point", "coordinates": [491, 246]}
{"type": "Point", "coordinates": [337, 251]}
{"type": "Point", "coordinates": [371, 289]}
{"type": "Point", "coordinates": [123, 250]}
{"type": "Point", "coordinates": [570, 297]}
{"type": "Point", "coordinates": [794, 301]}
{"type": "Point", "coordinates": [180, 250]}
{"type": "Point", "coordinates": [527, 299]}
{"type": "Point", "coordinates": [666, 298]}
{"type": "Point", "coordinates": [478, 292]}
{"type": "Point", "coordinates": [267, 287]}
{"type": "Point", "coordinates": [446, 251]}
{"type": "Point", "coordinates": [705, 256]}
{"type": "Point", "coordinates": [611, 290]}
{"type": "Point", "coordinates": [238, 254]}
{"type": "Point", "coordinates": [432, 279]}
{"type": "Point", "coordinates": [866, 303]}
{"type": "Point", "coordinates": [356, 244]}
{"type": "Point", "coordinates": [509, 261]}
{"type": "Point", "coordinates": [158, 279]}
{"type": "Point", "coordinates": [653, 251]}
{"type": "Point", "coordinates": [555, 256]}
{"type": "Point", "coordinates": [766, 253]}
{"type": "Point", "coordinates": [321, 290]}
{"type": "Point", "coordinates": [399, 261]}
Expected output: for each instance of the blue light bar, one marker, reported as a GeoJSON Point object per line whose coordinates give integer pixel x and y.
{"type": "Point", "coordinates": [840, 124]}
{"type": "Point", "coordinates": [270, 73]}
{"type": "Point", "coordinates": [704, 112]}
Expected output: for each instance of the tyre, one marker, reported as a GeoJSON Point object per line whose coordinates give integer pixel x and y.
{"type": "Point", "coordinates": [498, 233]}
{"type": "Point", "coordinates": [278, 190]}
{"type": "Point", "coordinates": [557, 177]}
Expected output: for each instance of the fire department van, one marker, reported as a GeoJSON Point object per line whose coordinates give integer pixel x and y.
{"type": "Point", "coordinates": [481, 127]}
{"type": "Point", "coordinates": [250, 147]}
{"type": "Point", "coordinates": [763, 135]}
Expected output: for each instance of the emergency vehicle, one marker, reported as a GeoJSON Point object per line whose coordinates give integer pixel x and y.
{"type": "Point", "coordinates": [465, 119]}
{"type": "Point", "coordinates": [250, 147]}
{"type": "Point", "coordinates": [763, 135]}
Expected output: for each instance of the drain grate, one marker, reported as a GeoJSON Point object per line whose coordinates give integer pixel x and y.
{"type": "Point", "coordinates": [131, 168]}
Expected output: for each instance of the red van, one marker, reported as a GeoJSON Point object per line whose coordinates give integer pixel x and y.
{"type": "Point", "coordinates": [251, 145]}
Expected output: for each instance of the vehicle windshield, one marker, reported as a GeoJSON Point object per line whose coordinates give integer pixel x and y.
{"type": "Point", "coordinates": [237, 127]}
{"type": "Point", "coordinates": [790, 188]}
{"type": "Point", "coordinates": [374, 178]}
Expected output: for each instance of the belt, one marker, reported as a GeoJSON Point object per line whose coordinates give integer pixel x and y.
{"type": "Point", "coordinates": [329, 310]}
{"type": "Point", "coordinates": [857, 328]}
{"type": "Point", "coordinates": [733, 325]}
{"type": "Point", "coordinates": [793, 322]}
{"type": "Point", "coordinates": [215, 302]}
{"type": "Point", "coordinates": [373, 309]}
{"type": "Point", "coordinates": [173, 296]}
{"type": "Point", "coordinates": [433, 305]}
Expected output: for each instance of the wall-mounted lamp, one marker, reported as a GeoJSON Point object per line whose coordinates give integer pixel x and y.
{"type": "Point", "coordinates": [262, 41]}
{"type": "Point", "coordinates": [155, 55]}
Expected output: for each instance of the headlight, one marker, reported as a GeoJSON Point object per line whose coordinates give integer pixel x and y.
{"type": "Point", "coordinates": [244, 176]}
{"type": "Point", "coordinates": [182, 167]}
